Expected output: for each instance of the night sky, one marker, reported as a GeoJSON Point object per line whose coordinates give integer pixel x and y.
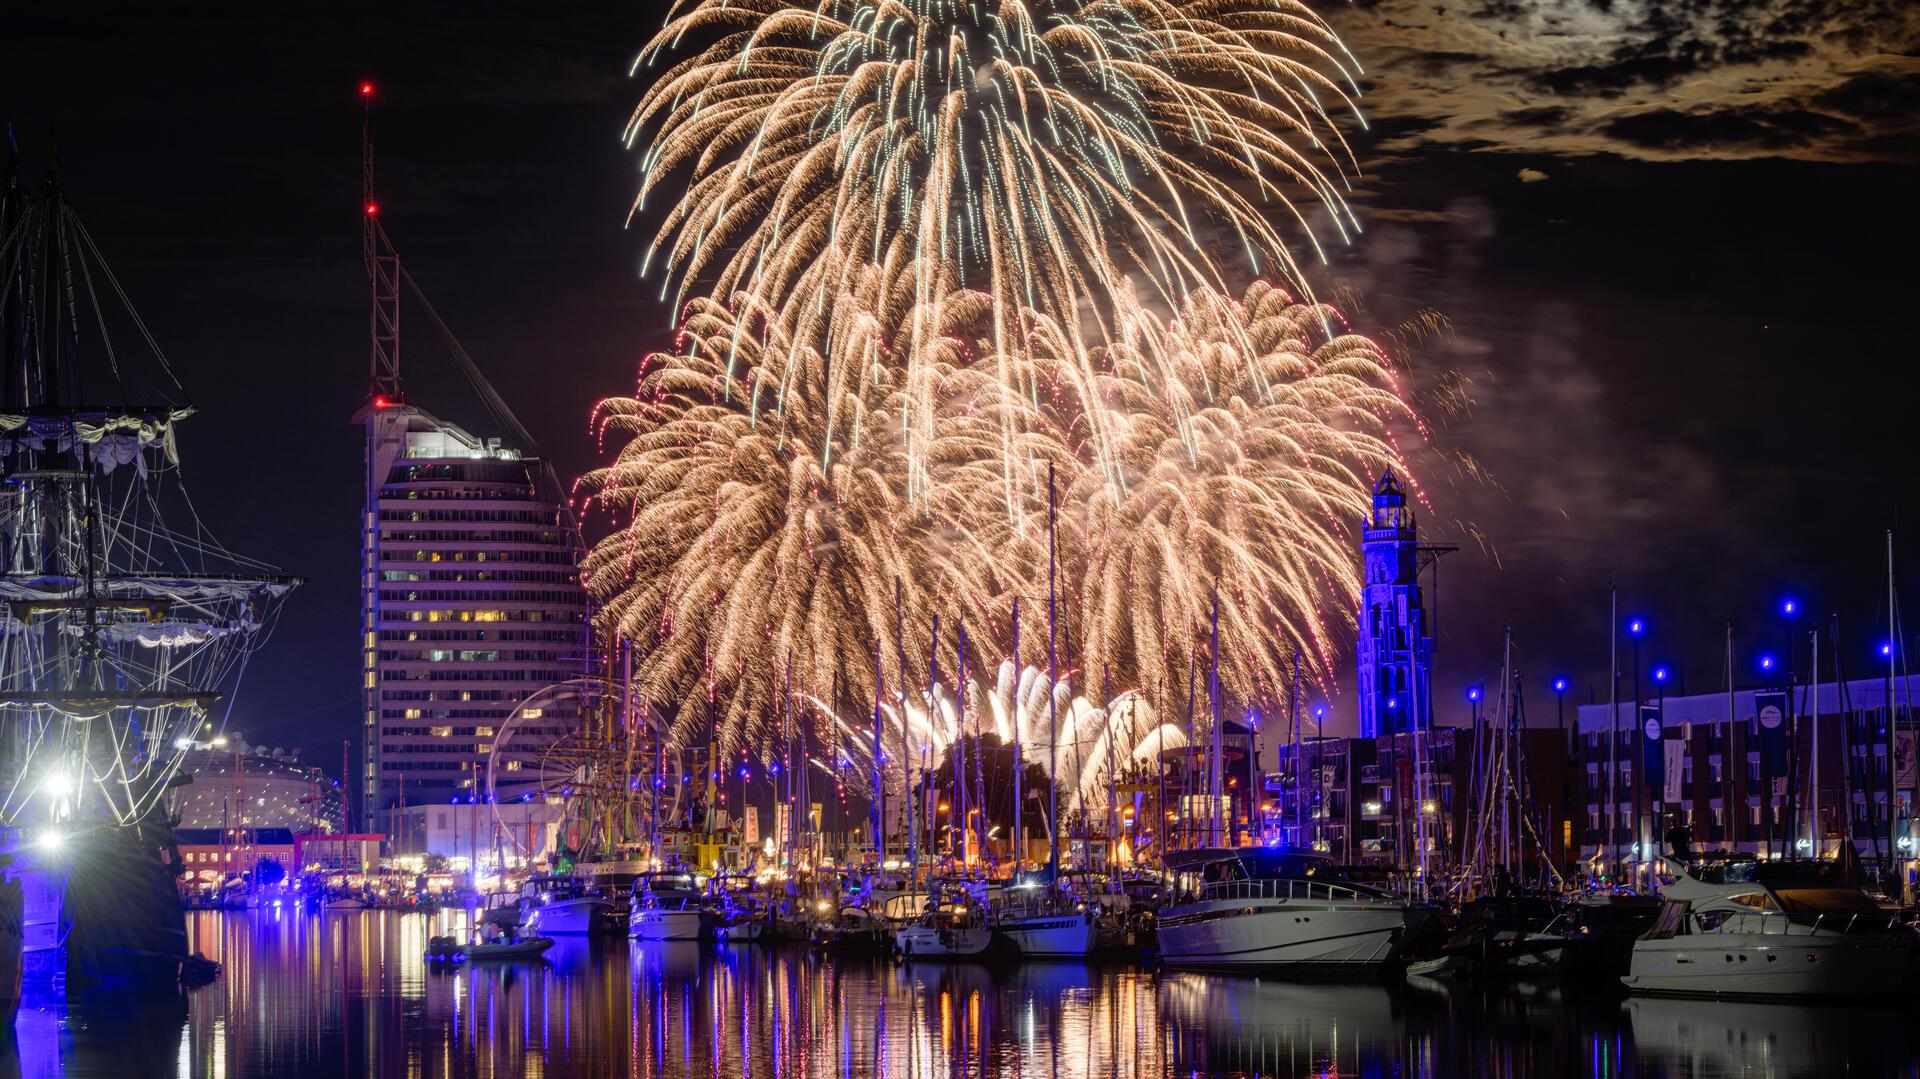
{"type": "Point", "coordinates": [1673, 244]}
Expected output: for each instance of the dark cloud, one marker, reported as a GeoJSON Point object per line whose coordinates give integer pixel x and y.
{"type": "Point", "coordinates": [1832, 80]}
{"type": "Point", "coordinates": [1726, 129]}
{"type": "Point", "coordinates": [1876, 96]}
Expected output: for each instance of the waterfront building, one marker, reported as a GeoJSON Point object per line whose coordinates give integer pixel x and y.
{"type": "Point", "coordinates": [230, 783]}
{"type": "Point", "coordinates": [1730, 786]}
{"type": "Point", "coordinates": [211, 856]}
{"type": "Point", "coordinates": [1184, 787]}
{"type": "Point", "coordinates": [338, 852]}
{"type": "Point", "coordinates": [1362, 799]}
{"type": "Point", "coordinates": [506, 835]}
{"type": "Point", "coordinates": [1395, 649]}
{"type": "Point", "coordinates": [471, 604]}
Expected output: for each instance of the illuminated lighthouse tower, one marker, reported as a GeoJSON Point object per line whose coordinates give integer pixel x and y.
{"type": "Point", "coordinates": [1396, 652]}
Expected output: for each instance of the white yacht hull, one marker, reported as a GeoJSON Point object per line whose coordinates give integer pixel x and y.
{"type": "Point", "coordinates": [1767, 965]}
{"type": "Point", "coordinates": [927, 942]}
{"type": "Point", "coordinates": [569, 917]}
{"type": "Point", "coordinates": [665, 925]}
{"type": "Point", "coordinates": [1251, 935]}
{"type": "Point", "coordinates": [1066, 935]}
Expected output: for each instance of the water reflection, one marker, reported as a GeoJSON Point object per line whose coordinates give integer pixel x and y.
{"type": "Point", "coordinates": [346, 994]}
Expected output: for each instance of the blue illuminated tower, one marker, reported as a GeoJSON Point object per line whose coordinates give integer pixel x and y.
{"type": "Point", "coordinates": [1396, 649]}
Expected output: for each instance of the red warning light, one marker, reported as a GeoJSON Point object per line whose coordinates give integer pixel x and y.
{"type": "Point", "coordinates": [373, 208]}
{"type": "Point", "coordinates": [381, 401]}
{"type": "Point", "coordinates": [366, 89]}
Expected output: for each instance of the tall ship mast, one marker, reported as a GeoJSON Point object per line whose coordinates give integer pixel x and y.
{"type": "Point", "coordinates": [122, 636]}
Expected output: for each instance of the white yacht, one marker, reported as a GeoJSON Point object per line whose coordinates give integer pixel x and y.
{"type": "Point", "coordinates": [1733, 926]}
{"type": "Point", "coordinates": [1042, 923]}
{"type": "Point", "coordinates": [952, 925]}
{"type": "Point", "coordinates": [567, 907]}
{"type": "Point", "coordinates": [1268, 909]}
{"type": "Point", "coordinates": [668, 906]}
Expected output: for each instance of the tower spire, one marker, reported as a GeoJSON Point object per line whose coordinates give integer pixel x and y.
{"type": "Point", "coordinates": [383, 273]}
{"type": "Point", "coordinates": [1395, 643]}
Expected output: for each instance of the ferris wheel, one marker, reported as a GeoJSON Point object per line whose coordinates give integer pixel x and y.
{"type": "Point", "coordinates": [576, 744]}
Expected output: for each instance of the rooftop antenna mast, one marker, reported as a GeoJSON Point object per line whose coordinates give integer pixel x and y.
{"type": "Point", "coordinates": [383, 270]}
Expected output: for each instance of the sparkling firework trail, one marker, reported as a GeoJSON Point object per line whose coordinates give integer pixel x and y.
{"type": "Point", "coordinates": [761, 521]}
{"type": "Point", "coordinates": [1068, 158]}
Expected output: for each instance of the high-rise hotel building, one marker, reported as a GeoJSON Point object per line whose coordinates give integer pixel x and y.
{"type": "Point", "coordinates": [471, 603]}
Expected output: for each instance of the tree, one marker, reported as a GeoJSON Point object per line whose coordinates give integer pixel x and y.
{"type": "Point", "coordinates": [268, 872]}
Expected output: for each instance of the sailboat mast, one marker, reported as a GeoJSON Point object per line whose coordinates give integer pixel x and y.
{"type": "Point", "coordinates": [1053, 708]}
{"type": "Point", "coordinates": [1814, 831]}
{"type": "Point", "coordinates": [1187, 754]}
{"type": "Point", "coordinates": [1019, 782]}
{"type": "Point", "coordinates": [1215, 778]}
{"type": "Point", "coordinates": [1893, 723]}
{"type": "Point", "coordinates": [1613, 733]}
{"type": "Point", "coordinates": [879, 800]}
{"type": "Point", "coordinates": [786, 725]}
{"type": "Point", "coordinates": [906, 745]}
{"type": "Point", "coordinates": [1293, 731]}
{"type": "Point", "coordinates": [960, 743]}
{"type": "Point", "coordinates": [1726, 745]}
{"type": "Point", "coordinates": [933, 710]}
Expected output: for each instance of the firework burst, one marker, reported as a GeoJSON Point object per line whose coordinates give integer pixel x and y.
{"type": "Point", "coordinates": [764, 516]}
{"type": "Point", "coordinates": [1236, 479]}
{"type": "Point", "coordinates": [1067, 158]}
{"type": "Point", "coordinates": [762, 504]}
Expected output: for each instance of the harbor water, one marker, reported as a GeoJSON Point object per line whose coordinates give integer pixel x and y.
{"type": "Point", "coordinates": [346, 994]}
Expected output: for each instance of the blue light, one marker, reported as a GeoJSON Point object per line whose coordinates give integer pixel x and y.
{"type": "Point", "coordinates": [1473, 693]}
{"type": "Point", "coordinates": [1788, 606]}
{"type": "Point", "coordinates": [1636, 626]}
{"type": "Point", "coordinates": [1659, 674]}
{"type": "Point", "coordinates": [1320, 711]}
{"type": "Point", "coordinates": [1886, 648]}
{"type": "Point", "coordinates": [1560, 685]}
{"type": "Point", "coordinates": [1766, 662]}
{"type": "Point", "coordinates": [1393, 703]}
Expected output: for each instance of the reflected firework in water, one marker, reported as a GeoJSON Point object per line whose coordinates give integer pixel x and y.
{"type": "Point", "coordinates": [346, 994]}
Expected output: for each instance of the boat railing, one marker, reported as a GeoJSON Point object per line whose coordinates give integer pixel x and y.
{"type": "Point", "coordinates": [1783, 922]}
{"type": "Point", "coordinates": [1281, 889]}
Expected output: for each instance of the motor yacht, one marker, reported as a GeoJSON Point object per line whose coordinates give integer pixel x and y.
{"type": "Point", "coordinates": [1042, 922]}
{"type": "Point", "coordinates": [566, 906]}
{"type": "Point", "coordinates": [669, 906]}
{"type": "Point", "coordinates": [1253, 909]}
{"type": "Point", "coordinates": [952, 925]}
{"type": "Point", "coordinates": [1733, 926]}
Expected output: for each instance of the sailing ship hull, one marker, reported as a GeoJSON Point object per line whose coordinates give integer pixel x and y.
{"type": "Point", "coordinates": [105, 911]}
